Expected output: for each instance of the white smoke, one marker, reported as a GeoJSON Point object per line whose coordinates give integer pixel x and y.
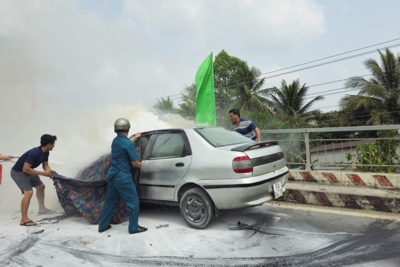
{"type": "Point", "coordinates": [83, 135]}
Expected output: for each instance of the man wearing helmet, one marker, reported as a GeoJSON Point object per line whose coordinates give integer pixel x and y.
{"type": "Point", "coordinates": [119, 179]}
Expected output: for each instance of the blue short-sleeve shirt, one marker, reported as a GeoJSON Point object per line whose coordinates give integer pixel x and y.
{"type": "Point", "coordinates": [123, 152]}
{"type": "Point", "coordinates": [35, 157]}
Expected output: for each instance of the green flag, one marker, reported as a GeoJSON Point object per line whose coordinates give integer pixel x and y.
{"type": "Point", "coordinates": [205, 96]}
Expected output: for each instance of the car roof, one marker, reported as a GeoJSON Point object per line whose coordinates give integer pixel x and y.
{"type": "Point", "coordinates": [173, 129]}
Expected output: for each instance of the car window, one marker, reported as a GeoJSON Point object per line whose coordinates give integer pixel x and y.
{"type": "Point", "coordinates": [168, 145]}
{"type": "Point", "coordinates": [144, 142]}
{"type": "Point", "coordinates": [217, 136]}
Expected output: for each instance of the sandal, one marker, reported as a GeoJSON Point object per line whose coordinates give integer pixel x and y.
{"type": "Point", "coordinates": [140, 229]}
{"type": "Point", "coordinates": [28, 223]}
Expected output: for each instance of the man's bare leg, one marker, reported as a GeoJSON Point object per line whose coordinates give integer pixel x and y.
{"type": "Point", "coordinates": [40, 197]}
{"type": "Point", "coordinates": [26, 200]}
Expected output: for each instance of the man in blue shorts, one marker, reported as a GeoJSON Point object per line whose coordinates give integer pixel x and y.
{"type": "Point", "coordinates": [244, 126]}
{"type": "Point", "coordinates": [119, 179]}
{"type": "Point", "coordinates": [25, 176]}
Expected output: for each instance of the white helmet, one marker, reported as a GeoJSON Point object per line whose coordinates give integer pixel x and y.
{"type": "Point", "coordinates": [122, 124]}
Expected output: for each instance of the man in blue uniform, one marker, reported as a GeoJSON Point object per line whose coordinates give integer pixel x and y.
{"type": "Point", "coordinates": [25, 176]}
{"type": "Point", "coordinates": [244, 126]}
{"type": "Point", "coordinates": [119, 179]}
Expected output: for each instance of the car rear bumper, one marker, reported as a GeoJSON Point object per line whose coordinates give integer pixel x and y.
{"type": "Point", "coordinates": [244, 192]}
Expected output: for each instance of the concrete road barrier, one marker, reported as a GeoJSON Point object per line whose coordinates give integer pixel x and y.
{"type": "Point", "coordinates": [367, 191]}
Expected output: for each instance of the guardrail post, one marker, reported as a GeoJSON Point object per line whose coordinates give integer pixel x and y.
{"type": "Point", "coordinates": [308, 154]}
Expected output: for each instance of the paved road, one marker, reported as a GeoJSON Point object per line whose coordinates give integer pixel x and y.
{"type": "Point", "coordinates": [280, 237]}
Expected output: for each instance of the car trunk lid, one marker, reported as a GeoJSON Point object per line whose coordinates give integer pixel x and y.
{"type": "Point", "coordinates": [265, 156]}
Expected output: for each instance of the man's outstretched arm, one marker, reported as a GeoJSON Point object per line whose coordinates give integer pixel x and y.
{"type": "Point", "coordinates": [258, 134]}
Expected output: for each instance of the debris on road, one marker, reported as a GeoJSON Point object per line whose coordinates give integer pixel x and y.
{"type": "Point", "coordinates": [84, 242]}
{"type": "Point", "coordinates": [245, 226]}
{"type": "Point", "coordinates": [240, 226]}
{"type": "Point", "coordinates": [162, 225]}
{"type": "Point", "coordinates": [37, 232]}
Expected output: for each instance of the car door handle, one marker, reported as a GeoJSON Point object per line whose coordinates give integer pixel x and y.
{"type": "Point", "coordinates": [179, 164]}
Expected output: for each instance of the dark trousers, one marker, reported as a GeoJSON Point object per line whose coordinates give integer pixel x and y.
{"type": "Point", "coordinates": [121, 186]}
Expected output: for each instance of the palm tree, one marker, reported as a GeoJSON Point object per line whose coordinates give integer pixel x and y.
{"type": "Point", "coordinates": [289, 100]}
{"type": "Point", "coordinates": [165, 106]}
{"type": "Point", "coordinates": [380, 95]}
{"type": "Point", "coordinates": [187, 107]}
{"type": "Point", "coordinates": [247, 91]}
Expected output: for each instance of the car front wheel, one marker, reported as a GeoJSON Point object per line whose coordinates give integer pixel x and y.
{"type": "Point", "coordinates": [196, 208]}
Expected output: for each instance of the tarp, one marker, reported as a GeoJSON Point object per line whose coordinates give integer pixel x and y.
{"type": "Point", "coordinates": [86, 193]}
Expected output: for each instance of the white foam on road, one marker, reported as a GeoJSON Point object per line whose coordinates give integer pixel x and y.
{"type": "Point", "coordinates": [73, 241]}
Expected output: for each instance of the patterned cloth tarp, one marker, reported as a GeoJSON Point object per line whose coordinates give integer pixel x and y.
{"type": "Point", "coordinates": [87, 193]}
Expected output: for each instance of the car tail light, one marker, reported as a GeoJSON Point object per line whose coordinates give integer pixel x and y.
{"type": "Point", "coordinates": [242, 164]}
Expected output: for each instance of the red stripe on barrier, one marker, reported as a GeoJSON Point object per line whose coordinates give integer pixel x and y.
{"type": "Point", "coordinates": [382, 180]}
{"type": "Point", "coordinates": [296, 194]}
{"type": "Point", "coordinates": [378, 204]}
{"type": "Point", "coordinates": [355, 179]}
{"type": "Point", "coordinates": [349, 202]}
{"type": "Point", "coordinates": [291, 177]}
{"type": "Point", "coordinates": [308, 177]}
{"type": "Point", "coordinates": [323, 199]}
{"type": "Point", "coordinates": [331, 178]}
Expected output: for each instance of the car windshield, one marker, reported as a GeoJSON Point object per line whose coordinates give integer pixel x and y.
{"type": "Point", "coordinates": [217, 136]}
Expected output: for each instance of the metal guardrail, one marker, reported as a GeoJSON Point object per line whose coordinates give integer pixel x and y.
{"type": "Point", "coordinates": [301, 152]}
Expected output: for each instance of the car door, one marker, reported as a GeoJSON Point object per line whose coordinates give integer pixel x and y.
{"type": "Point", "coordinates": [165, 160]}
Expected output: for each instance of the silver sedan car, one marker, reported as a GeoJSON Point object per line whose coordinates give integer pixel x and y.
{"type": "Point", "coordinates": [208, 169]}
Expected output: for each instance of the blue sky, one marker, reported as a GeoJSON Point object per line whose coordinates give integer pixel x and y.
{"type": "Point", "coordinates": [91, 54]}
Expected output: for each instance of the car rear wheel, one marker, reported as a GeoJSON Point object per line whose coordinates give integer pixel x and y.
{"type": "Point", "coordinates": [196, 208]}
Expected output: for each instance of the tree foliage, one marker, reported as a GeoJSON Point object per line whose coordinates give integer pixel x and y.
{"type": "Point", "coordinates": [224, 73]}
{"type": "Point", "coordinates": [248, 93]}
{"type": "Point", "coordinates": [236, 86]}
{"type": "Point", "coordinates": [377, 157]}
{"type": "Point", "coordinates": [165, 106]}
{"type": "Point", "coordinates": [290, 101]}
{"type": "Point", "coordinates": [379, 96]}
{"type": "Point", "coordinates": [187, 107]}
